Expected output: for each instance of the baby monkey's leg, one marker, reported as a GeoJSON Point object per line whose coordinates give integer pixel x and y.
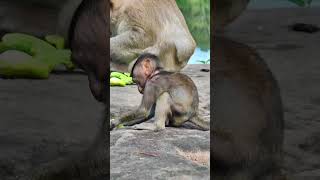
{"type": "Point", "coordinates": [162, 112]}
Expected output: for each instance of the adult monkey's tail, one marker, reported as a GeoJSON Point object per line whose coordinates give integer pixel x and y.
{"type": "Point", "coordinates": [199, 122]}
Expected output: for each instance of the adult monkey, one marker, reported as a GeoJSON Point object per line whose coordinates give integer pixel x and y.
{"type": "Point", "coordinates": [247, 132]}
{"type": "Point", "coordinates": [89, 43]}
{"type": "Point", "coordinates": [149, 26]}
{"type": "Point", "coordinates": [248, 122]}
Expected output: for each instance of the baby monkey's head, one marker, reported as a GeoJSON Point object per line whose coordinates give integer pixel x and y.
{"type": "Point", "coordinates": [145, 66]}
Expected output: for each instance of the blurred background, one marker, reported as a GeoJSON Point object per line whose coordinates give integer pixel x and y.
{"type": "Point", "coordinates": [263, 4]}
{"type": "Point", "coordinates": [197, 15]}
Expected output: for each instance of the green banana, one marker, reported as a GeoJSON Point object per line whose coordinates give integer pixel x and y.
{"type": "Point", "coordinates": [28, 69]}
{"type": "Point", "coordinates": [124, 77]}
{"type": "Point", "coordinates": [117, 82]}
{"type": "Point", "coordinates": [45, 55]}
{"type": "Point", "coordinates": [55, 40]}
{"type": "Point", "coordinates": [26, 43]}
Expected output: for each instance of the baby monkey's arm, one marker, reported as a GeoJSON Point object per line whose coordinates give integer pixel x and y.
{"type": "Point", "coordinates": [139, 115]}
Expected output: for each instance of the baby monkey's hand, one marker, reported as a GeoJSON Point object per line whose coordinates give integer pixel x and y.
{"type": "Point", "coordinates": [113, 124]}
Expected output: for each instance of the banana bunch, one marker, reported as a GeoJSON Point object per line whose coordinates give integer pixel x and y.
{"type": "Point", "coordinates": [45, 56]}
{"type": "Point", "coordinates": [120, 79]}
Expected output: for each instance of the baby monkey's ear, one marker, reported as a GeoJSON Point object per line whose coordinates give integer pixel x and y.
{"type": "Point", "coordinates": [147, 67]}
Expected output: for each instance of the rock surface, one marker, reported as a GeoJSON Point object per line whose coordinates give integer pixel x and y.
{"type": "Point", "coordinates": [154, 155]}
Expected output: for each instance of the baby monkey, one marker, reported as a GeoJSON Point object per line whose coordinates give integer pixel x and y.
{"type": "Point", "coordinates": [170, 97]}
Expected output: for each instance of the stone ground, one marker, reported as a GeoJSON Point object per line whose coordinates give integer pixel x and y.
{"type": "Point", "coordinates": [41, 120]}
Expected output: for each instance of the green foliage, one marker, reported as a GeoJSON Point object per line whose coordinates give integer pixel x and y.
{"type": "Point", "coordinates": [302, 3]}
{"type": "Point", "coordinates": [197, 15]}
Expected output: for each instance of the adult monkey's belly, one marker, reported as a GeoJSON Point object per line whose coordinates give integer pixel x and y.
{"type": "Point", "coordinates": [156, 27]}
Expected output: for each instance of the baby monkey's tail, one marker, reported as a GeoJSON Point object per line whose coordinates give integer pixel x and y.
{"type": "Point", "coordinates": [199, 122]}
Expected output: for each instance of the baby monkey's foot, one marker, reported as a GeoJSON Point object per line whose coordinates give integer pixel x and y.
{"type": "Point", "coordinates": [148, 126]}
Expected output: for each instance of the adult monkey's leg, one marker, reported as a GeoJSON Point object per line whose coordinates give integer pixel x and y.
{"type": "Point", "coordinates": [125, 47]}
